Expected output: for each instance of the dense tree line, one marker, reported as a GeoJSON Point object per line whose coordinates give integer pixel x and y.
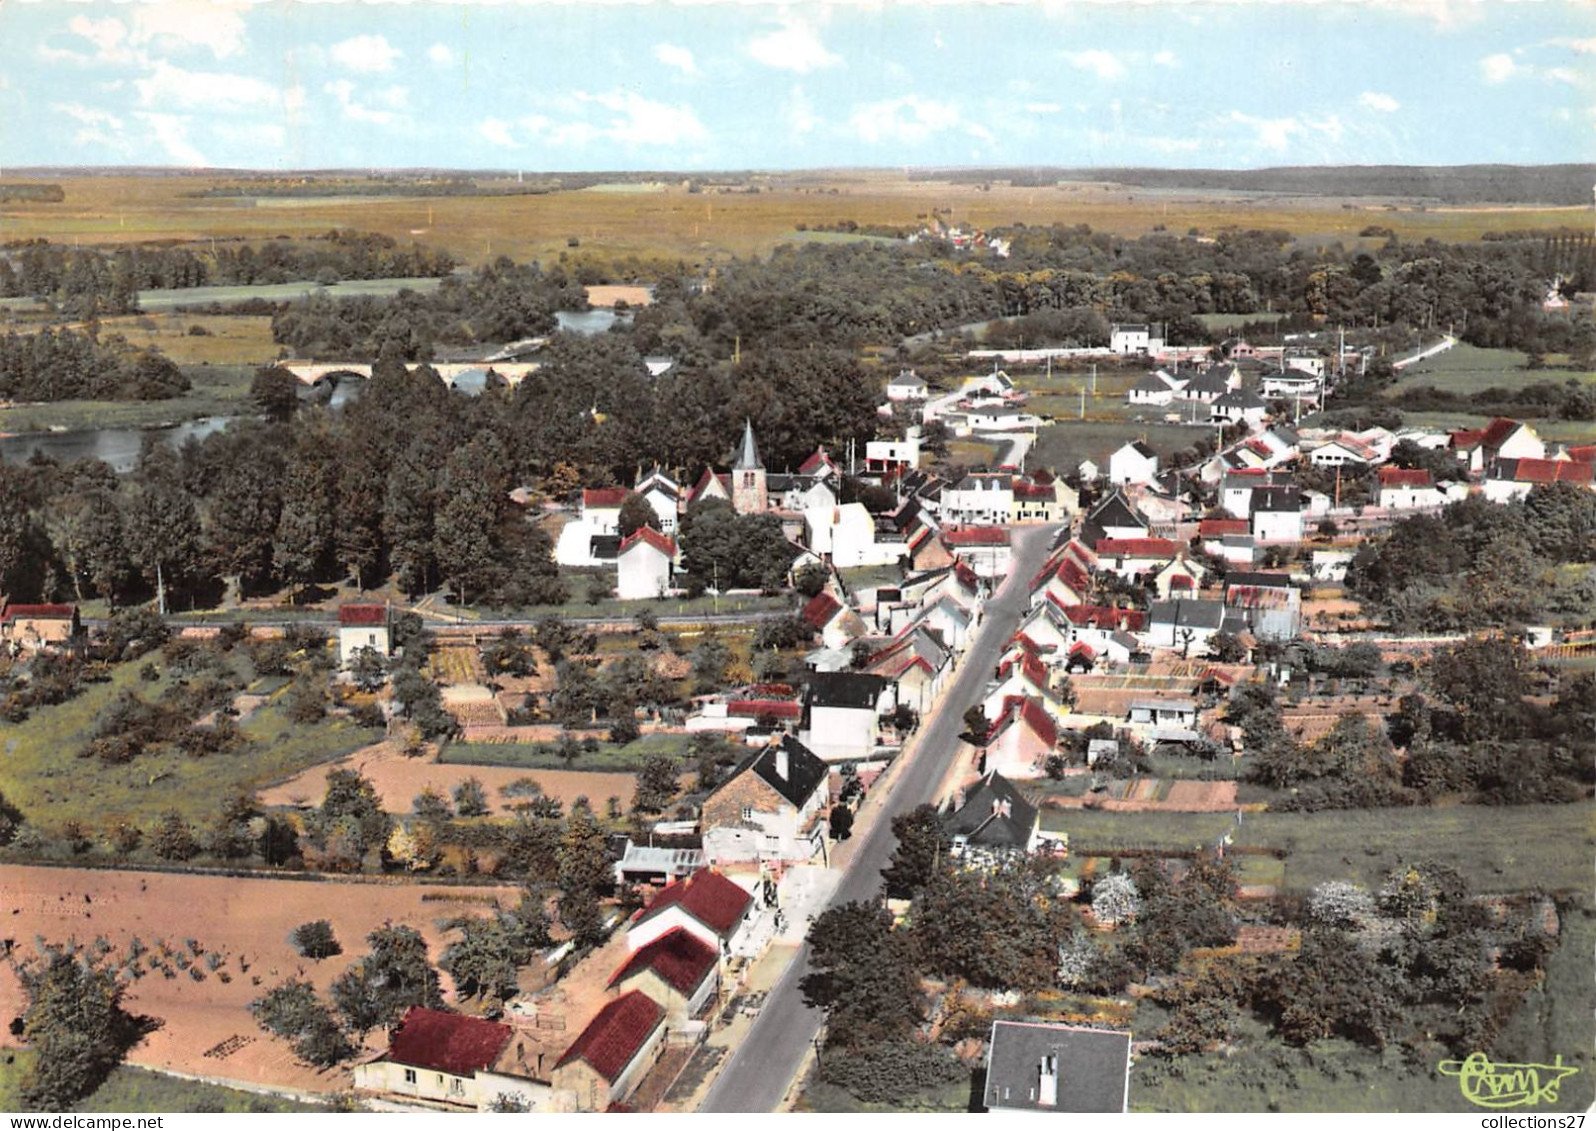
{"type": "Point", "coordinates": [60, 365]}
{"type": "Point", "coordinates": [88, 281]}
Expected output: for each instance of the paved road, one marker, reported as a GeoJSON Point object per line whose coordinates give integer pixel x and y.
{"type": "Point", "coordinates": [761, 1071]}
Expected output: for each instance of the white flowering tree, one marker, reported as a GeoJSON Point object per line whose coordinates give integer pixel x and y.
{"type": "Point", "coordinates": [1115, 899]}
{"type": "Point", "coordinates": [1338, 903]}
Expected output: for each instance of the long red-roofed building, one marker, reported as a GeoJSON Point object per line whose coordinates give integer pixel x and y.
{"type": "Point", "coordinates": [436, 1056]}
{"type": "Point", "coordinates": [678, 970]}
{"type": "Point", "coordinates": [705, 904]}
{"type": "Point", "coordinates": [610, 1057]}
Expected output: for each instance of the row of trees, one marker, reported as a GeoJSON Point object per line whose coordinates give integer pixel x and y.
{"type": "Point", "coordinates": [59, 365]}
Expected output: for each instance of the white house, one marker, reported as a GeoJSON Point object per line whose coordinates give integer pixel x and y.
{"type": "Point", "coordinates": [1240, 407]}
{"type": "Point", "coordinates": [706, 905]}
{"type": "Point", "coordinates": [906, 386]}
{"type": "Point", "coordinates": [1408, 489]}
{"type": "Point", "coordinates": [359, 627]}
{"type": "Point", "coordinates": [1134, 462]}
{"type": "Point", "coordinates": [842, 712]}
{"type": "Point", "coordinates": [893, 457]}
{"type": "Point", "coordinates": [1276, 514]}
{"type": "Point", "coordinates": [772, 809]}
{"type": "Point", "coordinates": [1131, 338]}
{"type": "Point", "coordinates": [1041, 1067]}
{"type": "Point", "coordinates": [979, 499]}
{"type": "Point", "coordinates": [451, 1059]}
{"type": "Point", "coordinates": [846, 537]}
{"type": "Point", "coordinates": [643, 566]}
{"type": "Point", "coordinates": [1501, 439]}
{"type": "Point", "coordinates": [1154, 389]}
{"type": "Point", "coordinates": [593, 537]}
{"type": "Point", "coordinates": [664, 494]}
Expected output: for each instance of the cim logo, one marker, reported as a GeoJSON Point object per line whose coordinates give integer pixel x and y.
{"type": "Point", "coordinates": [1485, 1084]}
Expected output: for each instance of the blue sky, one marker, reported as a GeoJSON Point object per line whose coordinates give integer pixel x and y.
{"type": "Point", "coordinates": [719, 85]}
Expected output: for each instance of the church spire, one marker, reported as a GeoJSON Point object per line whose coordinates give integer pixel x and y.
{"type": "Point", "coordinates": [748, 451]}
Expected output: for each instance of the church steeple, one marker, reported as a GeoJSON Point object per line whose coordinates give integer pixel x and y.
{"type": "Point", "coordinates": [748, 476]}
{"type": "Point", "coordinates": [748, 451]}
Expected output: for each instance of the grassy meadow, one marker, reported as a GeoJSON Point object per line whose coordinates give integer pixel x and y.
{"type": "Point", "coordinates": [609, 757]}
{"type": "Point", "coordinates": [697, 226]}
{"type": "Point", "coordinates": [42, 775]}
{"type": "Point", "coordinates": [1466, 369]}
{"type": "Point", "coordinates": [137, 1089]}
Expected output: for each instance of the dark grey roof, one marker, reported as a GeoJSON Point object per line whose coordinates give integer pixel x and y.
{"type": "Point", "coordinates": [605, 547]}
{"type": "Point", "coordinates": [1261, 580]}
{"type": "Point", "coordinates": [805, 771]}
{"type": "Point", "coordinates": [1241, 398]}
{"type": "Point", "coordinates": [993, 815]}
{"type": "Point", "coordinates": [1142, 450]}
{"type": "Point", "coordinates": [747, 451]}
{"type": "Point", "coordinates": [1281, 499]}
{"type": "Point", "coordinates": [1092, 1067]}
{"type": "Point", "coordinates": [1208, 381]}
{"type": "Point", "coordinates": [843, 689]}
{"type": "Point", "coordinates": [1188, 613]}
{"type": "Point", "coordinates": [1152, 383]}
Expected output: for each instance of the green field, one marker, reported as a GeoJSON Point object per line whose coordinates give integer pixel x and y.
{"type": "Point", "coordinates": [279, 292]}
{"type": "Point", "coordinates": [1466, 369]}
{"type": "Point", "coordinates": [140, 1090]}
{"type": "Point", "coordinates": [1496, 849]}
{"type": "Point", "coordinates": [217, 391]}
{"type": "Point", "coordinates": [539, 756]}
{"type": "Point", "coordinates": [1065, 444]}
{"type": "Point", "coordinates": [41, 774]}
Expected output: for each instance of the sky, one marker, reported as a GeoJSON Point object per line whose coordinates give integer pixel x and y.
{"type": "Point", "coordinates": [550, 86]}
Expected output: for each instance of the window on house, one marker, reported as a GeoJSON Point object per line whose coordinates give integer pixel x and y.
{"type": "Point", "coordinates": [410, 1076]}
{"type": "Point", "coordinates": [748, 812]}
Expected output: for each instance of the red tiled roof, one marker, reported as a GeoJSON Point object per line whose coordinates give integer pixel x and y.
{"type": "Point", "coordinates": [1552, 471]}
{"type": "Point", "coordinates": [603, 497]}
{"type": "Point", "coordinates": [1219, 527]}
{"type": "Point", "coordinates": [1024, 490]}
{"type": "Point", "coordinates": [1081, 648]}
{"type": "Point", "coordinates": [679, 957]}
{"type": "Point", "coordinates": [1137, 547]}
{"type": "Point", "coordinates": [704, 482]}
{"type": "Point", "coordinates": [447, 1042]}
{"type": "Point", "coordinates": [652, 537]}
{"type": "Point", "coordinates": [976, 536]}
{"type": "Point", "coordinates": [1465, 438]}
{"type": "Point", "coordinates": [37, 612]}
{"type": "Point", "coordinates": [614, 1036]}
{"type": "Point", "coordinates": [362, 614]}
{"type": "Point", "coordinates": [707, 896]}
{"type": "Point", "coordinates": [820, 609]}
{"type": "Point", "coordinates": [966, 576]}
{"type": "Point", "coordinates": [815, 462]}
{"type": "Point", "coordinates": [1498, 430]}
{"type": "Point", "coordinates": [1584, 453]}
{"type": "Point", "coordinates": [754, 708]}
{"type": "Point", "coordinates": [1405, 477]}
{"type": "Point", "coordinates": [1029, 711]}
{"type": "Point", "coordinates": [1101, 616]}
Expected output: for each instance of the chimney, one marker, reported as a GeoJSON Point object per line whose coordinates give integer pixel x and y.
{"type": "Point", "coordinates": [1047, 1092]}
{"type": "Point", "coordinates": [783, 763]}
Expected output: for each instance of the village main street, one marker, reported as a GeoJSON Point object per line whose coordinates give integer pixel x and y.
{"type": "Point", "coordinates": [761, 1071]}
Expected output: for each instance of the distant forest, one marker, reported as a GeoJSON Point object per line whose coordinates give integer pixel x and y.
{"type": "Point", "coordinates": [1448, 184]}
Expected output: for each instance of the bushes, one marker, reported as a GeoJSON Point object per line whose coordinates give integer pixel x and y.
{"type": "Point", "coordinates": [891, 1070]}
{"type": "Point", "coordinates": [316, 940]}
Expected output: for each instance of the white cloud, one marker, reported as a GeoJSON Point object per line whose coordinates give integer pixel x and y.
{"type": "Point", "coordinates": [1579, 46]}
{"type": "Point", "coordinates": [1101, 63]}
{"type": "Point", "coordinates": [497, 131]}
{"type": "Point", "coordinates": [1383, 103]}
{"type": "Point", "coordinates": [95, 126]}
{"type": "Point", "coordinates": [88, 115]}
{"type": "Point", "coordinates": [1497, 68]}
{"type": "Point", "coordinates": [171, 130]}
{"type": "Point", "coordinates": [440, 54]}
{"type": "Point", "coordinates": [1272, 133]}
{"type": "Point", "coordinates": [1563, 74]}
{"type": "Point", "coordinates": [365, 54]}
{"type": "Point", "coordinates": [799, 112]}
{"type": "Point", "coordinates": [909, 119]}
{"type": "Point", "coordinates": [679, 57]}
{"type": "Point", "coordinates": [1043, 108]}
{"type": "Point", "coordinates": [190, 23]}
{"type": "Point", "coordinates": [172, 86]}
{"type": "Point", "coordinates": [109, 37]}
{"type": "Point", "coordinates": [642, 121]}
{"type": "Point", "coordinates": [1165, 59]}
{"type": "Point", "coordinates": [344, 91]}
{"type": "Point", "coordinates": [796, 47]}
{"type": "Point", "coordinates": [253, 136]}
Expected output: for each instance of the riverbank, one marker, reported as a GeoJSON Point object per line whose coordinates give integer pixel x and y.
{"type": "Point", "coordinates": [218, 390]}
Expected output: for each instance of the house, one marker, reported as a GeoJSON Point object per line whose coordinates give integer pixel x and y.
{"type": "Point", "coordinates": [985, 549]}
{"type": "Point", "coordinates": [1130, 558]}
{"type": "Point", "coordinates": [706, 905]}
{"type": "Point", "coordinates": [1163, 713]}
{"type": "Point", "coordinates": [842, 714]}
{"type": "Point", "coordinates": [1343, 451]}
{"type": "Point", "coordinates": [948, 620]}
{"type": "Point", "coordinates": [35, 627]}
{"type": "Point", "coordinates": [1088, 471]}
{"type": "Point", "coordinates": [1509, 479]}
{"type": "Point", "coordinates": [1403, 488]}
{"type": "Point", "coordinates": [678, 970]}
{"type": "Point", "coordinates": [1330, 565]}
{"type": "Point", "coordinates": [1501, 439]}
{"type": "Point", "coordinates": [1276, 514]}
{"type": "Point", "coordinates": [1189, 623]}
{"type": "Point", "coordinates": [664, 495]}
{"type": "Point", "coordinates": [643, 565]}
{"type": "Point", "coordinates": [594, 536]}
{"type": "Point", "coordinates": [907, 386]}
{"type": "Point", "coordinates": [1155, 389]}
{"type": "Point", "coordinates": [1273, 603]}
{"type": "Point", "coordinates": [918, 664]}
{"type": "Point", "coordinates": [649, 865]}
{"type": "Point", "coordinates": [773, 808]}
{"type": "Point", "coordinates": [359, 627]}
{"type": "Point", "coordinates": [1065, 577]}
{"type": "Point", "coordinates": [1134, 338]}
{"type": "Point", "coordinates": [612, 1055]}
{"type": "Point", "coordinates": [1236, 488]}
{"type": "Point", "coordinates": [1021, 739]}
{"type": "Point", "coordinates": [1097, 634]}
{"type": "Point", "coordinates": [1211, 532]}
{"type": "Point", "coordinates": [837, 624]}
{"type": "Point", "coordinates": [891, 458]}
{"type": "Point", "coordinates": [1033, 1066]}
{"type": "Point", "coordinates": [437, 1057]}
{"type": "Point", "coordinates": [1134, 462]}
{"type": "Point", "coordinates": [1209, 385]}
{"type": "Point", "coordinates": [979, 499]}
{"type": "Point", "coordinates": [1181, 577]}
{"type": "Point", "coordinates": [846, 537]}
{"type": "Point", "coordinates": [1299, 387]}
{"type": "Point", "coordinates": [1114, 517]}
{"type": "Point", "coordinates": [1240, 406]}
{"type": "Point", "coordinates": [993, 819]}
{"type": "Point", "coordinates": [710, 486]}
{"type": "Point", "coordinates": [1043, 499]}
